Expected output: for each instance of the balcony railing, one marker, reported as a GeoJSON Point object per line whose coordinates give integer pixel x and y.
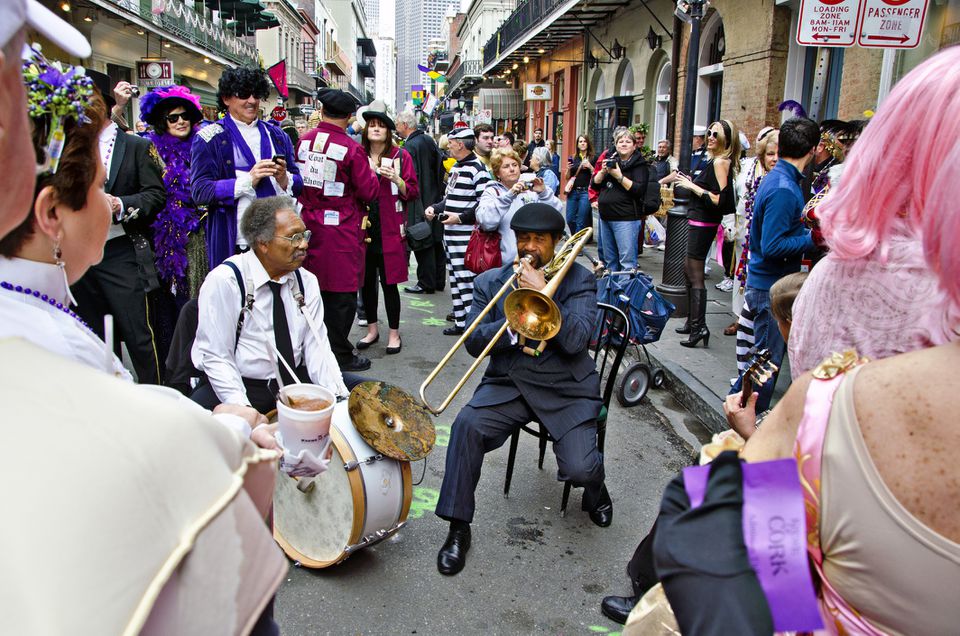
{"type": "Point", "coordinates": [525, 17]}
{"type": "Point", "coordinates": [356, 92]}
{"type": "Point", "coordinates": [366, 68]}
{"type": "Point", "coordinates": [469, 69]}
{"type": "Point", "coordinates": [200, 29]}
{"type": "Point", "coordinates": [301, 80]}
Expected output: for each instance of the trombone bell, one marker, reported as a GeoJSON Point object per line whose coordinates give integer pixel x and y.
{"type": "Point", "coordinates": [532, 314]}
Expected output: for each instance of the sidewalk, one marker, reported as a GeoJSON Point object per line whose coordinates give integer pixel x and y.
{"type": "Point", "coordinates": [699, 378]}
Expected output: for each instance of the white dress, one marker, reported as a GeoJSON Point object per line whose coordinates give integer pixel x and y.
{"type": "Point", "coordinates": [31, 317]}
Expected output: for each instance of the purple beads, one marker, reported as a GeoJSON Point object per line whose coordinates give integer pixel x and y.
{"type": "Point", "coordinates": [44, 297]}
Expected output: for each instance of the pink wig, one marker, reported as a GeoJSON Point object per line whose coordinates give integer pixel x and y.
{"type": "Point", "coordinates": [891, 171]}
{"type": "Point", "coordinates": [941, 226]}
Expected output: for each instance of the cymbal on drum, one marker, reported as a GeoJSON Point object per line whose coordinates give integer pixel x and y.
{"type": "Point", "coordinates": [391, 421]}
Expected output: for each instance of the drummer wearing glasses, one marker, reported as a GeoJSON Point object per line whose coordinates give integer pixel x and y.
{"type": "Point", "coordinates": [286, 314]}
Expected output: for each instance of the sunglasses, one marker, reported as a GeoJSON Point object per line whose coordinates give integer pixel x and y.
{"type": "Point", "coordinates": [175, 117]}
{"type": "Point", "coordinates": [713, 133]}
{"type": "Point", "coordinates": [248, 95]}
{"type": "Point", "coordinates": [298, 237]}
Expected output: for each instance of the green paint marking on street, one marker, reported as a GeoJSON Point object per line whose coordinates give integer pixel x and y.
{"type": "Point", "coordinates": [433, 322]}
{"type": "Point", "coordinates": [443, 434]}
{"type": "Point", "coordinates": [599, 629]}
{"type": "Point", "coordinates": [421, 303]}
{"type": "Point", "coordinates": [424, 500]}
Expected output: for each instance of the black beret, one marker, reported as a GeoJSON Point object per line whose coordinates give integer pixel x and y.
{"type": "Point", "coordinates": [337, 103]}
{"type": "Point", "coordinates": [537, 217]}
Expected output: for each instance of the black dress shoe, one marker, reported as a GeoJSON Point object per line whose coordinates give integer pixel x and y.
{"type": "Point", "coordinates": [357, 363]}
{"type": "Point", "coordinates": [453, 331]}
{"type": "Point", "coordinates": [417, 289]}
{"type": "Point", "coordinates": [618, 608]}
{"type": "Point", "coordinates": [453, 555]}
{"type": "Point", "coordinates": [393, 350]}
{"type": "Point", "coordinates": [602, 513]}
{"type": "Point", "coordinates": [450, 317]}
{"type": "Point", "coordinates": [365, 344]}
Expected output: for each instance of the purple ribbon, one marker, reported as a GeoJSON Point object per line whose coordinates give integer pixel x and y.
{"type": "Point", "coordinates": [775, 533]}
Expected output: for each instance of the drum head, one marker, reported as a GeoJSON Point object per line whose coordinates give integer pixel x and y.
{"type": "Point", "coordinates": [390, 421]}
{"type": "Point", "coordinates": [315, 527]}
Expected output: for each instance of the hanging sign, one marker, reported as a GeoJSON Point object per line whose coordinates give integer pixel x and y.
{"type": "Point", "coordinates": [537, 92]}
{"type": "Point", "coordinates": [155, 73]}
{"type": "Point", "coordinates": [828, 22]}
{"type": "Point", "coordinates": [892, 24]}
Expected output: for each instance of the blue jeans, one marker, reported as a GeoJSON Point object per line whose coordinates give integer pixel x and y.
{"type": "Point", "coordinates": [619, 247]}
{"type": "Point", "coordinates": [578, 210]}
{"type": "Point", "coordinates": [766, 336]}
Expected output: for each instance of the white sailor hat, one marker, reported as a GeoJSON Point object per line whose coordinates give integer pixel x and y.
{"type": "Point", "coordinates": [16, 14]}
{"type": "Point", "coordinates": [460, 134]}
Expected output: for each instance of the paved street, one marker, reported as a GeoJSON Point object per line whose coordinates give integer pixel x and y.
{"type": "Point", "coordinates": [529, 569]}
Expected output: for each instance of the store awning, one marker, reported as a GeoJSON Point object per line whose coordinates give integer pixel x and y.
{"type": "Point", "coordinates": [504, 103]}
{"type": "Point", "coordinates": [206, 92]}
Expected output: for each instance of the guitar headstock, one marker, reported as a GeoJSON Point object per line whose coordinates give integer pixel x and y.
{"type": "Point", "coordinates": [760, 371]}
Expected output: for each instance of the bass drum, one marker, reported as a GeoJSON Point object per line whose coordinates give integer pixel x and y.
{"type": "Point", "coordinates": [362, 498]}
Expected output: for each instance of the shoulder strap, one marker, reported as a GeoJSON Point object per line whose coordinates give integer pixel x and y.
{"type": "Point", "coordinates": [246, 301]}
{"type": "Point", "coordinates": [301, 300]}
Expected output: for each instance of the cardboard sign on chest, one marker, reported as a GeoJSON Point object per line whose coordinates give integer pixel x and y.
{"type": "Point", "coordinates": [319, 164]}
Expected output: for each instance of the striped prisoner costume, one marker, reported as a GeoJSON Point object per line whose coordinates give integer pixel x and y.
{"type": "Point", "coordinates": [468, 179]}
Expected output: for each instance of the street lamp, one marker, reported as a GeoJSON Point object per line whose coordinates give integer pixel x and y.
{"type": "Point", "coordinates": [674, 285]}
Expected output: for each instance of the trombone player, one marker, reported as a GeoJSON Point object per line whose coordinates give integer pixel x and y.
{"type": "Point", "coordinates": [559, 386]}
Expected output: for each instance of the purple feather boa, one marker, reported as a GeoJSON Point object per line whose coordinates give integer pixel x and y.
{"type": "Point", "coordinates": [173, 225]}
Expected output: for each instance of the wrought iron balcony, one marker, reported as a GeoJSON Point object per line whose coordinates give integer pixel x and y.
{"type": "Point", "coordinates": [468, 71]}
{"type": "Point", "coordinates": [366, 68]}
{"type": "Point", "coordinates": [525, 17]}
{"type": "Point", "coordinates": [356, 92]}
{"type": "Point", "coordinates": [301, 80]}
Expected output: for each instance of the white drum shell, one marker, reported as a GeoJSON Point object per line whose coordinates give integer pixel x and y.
{"type": "Point", "coordinates": [344, 510]}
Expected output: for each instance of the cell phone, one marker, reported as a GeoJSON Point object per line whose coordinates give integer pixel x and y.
{"type": "Point", "coordinates": [570, 159]}
{"type": "Point", "coordinates": [443, 217]}
{"type": "Point", "coordinates": [276, 158]}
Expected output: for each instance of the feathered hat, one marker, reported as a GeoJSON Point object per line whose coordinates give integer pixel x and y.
{"type": "Point", "coordinates": [171, 97]}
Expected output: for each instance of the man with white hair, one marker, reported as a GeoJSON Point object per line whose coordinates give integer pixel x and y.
{"type": "Point", "coordinates": [428, 165]}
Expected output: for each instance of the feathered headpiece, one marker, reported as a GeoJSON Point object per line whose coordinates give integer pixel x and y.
{"type": "Point", "coordinates": [58, 91]}
{"type": "Point", "coordinates": [796, 108]}
{"type": "Point", "coordinates": [149, 102]}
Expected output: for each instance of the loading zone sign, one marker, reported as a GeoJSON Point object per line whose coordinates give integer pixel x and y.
{"type": "Point", "coordinates": [828, 22]}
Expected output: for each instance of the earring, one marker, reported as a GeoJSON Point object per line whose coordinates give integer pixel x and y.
{"type": "Point", "coordinates": [58, 257]}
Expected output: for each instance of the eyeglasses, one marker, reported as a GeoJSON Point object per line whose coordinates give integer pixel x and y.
{"type": "Point", "coordinates": [713, 133]}
{"type": "Point", "coordinates": [247, 95]}
{"type": "Point", "coordinates": [175, 117]}
{"type": "Point", "coordinates": [298, 237]}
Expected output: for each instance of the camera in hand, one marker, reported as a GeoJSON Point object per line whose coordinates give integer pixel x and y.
{"type": "Point", "coordinates": [443, 216]}
{"type": "Point", "coordinates": [611, 162]}
{"type": "Point", "coordinates": [134, 91]}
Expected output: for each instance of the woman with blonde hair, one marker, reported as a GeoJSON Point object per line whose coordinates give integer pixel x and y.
{"type": "Point", "coordinates": [506, 195]}
{"type": "Point", "coordinates": [711, 198]}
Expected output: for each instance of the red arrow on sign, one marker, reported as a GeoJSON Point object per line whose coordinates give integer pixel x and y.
{"type": "Point", "coordinates": [817, 36]}
{"type": "Point", "coordinates": [891, 38]}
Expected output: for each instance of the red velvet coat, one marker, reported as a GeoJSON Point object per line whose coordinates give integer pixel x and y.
{"type": "Point", "coordinates": [391, 219]}
{"type": "Point", "coordinates": [337, 250]}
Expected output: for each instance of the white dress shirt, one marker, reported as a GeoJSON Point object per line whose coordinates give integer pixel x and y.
{"type": "Point", "coordinates": [108, 143]}
{"type": "Point", "coordinates": [43, 324]}
{"type": "Point", "coordinates": [226, 365]}
{"type": "Point", "coordinates": [243, 188]}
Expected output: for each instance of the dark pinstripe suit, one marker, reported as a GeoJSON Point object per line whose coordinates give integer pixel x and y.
{"type": "Point", "coordinates": [560, 388]}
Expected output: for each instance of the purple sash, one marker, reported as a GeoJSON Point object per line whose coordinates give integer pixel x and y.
{"type": "Point", "coordinates": [775, 533]}
{"type": "Point", "coordinates": [265, 187]}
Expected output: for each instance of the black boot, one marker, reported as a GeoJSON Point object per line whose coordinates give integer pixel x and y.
{"type": "Point", "coordinates": [698, 319]}
{"type": "Point", "coordinates": [618, 608]}
{"type": "Point", "coordinates": [685, 329]}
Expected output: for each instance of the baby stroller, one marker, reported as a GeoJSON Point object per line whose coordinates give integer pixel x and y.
{"type": "Point", "coordinates": [633, 292]}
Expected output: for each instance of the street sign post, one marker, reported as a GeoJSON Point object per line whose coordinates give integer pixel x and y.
{"type": "Point", "coordinates": [828, 22]}
{"type": "Point", "coordinates": [279, 113]}
{"type": "Point", "coordinates": [892, 24]}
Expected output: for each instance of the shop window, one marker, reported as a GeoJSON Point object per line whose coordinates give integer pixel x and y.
{"type": "Point", "coordinates": [626, 79]}
{"type": "Point", "coordinates": [710, 88]}
{"type": "Point", "coordinates": [611, 112]}
{"type": "Point", "coordinates": [663, 103]}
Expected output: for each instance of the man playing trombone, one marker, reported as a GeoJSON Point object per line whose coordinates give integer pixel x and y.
{"type": "Point", "coordinates": [554, 382]}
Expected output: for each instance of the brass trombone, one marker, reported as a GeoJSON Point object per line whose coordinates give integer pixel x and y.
{"type": "Point", "coordinates": [529, 313]}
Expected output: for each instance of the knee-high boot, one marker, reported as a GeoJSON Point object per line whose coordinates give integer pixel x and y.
{"type": "Point", "coordinates": [698, 319]}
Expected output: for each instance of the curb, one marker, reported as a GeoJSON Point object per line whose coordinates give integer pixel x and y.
{"type": "Point", "coordinates": [695, 396]}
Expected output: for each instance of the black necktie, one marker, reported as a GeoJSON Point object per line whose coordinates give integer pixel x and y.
{"type": "Point", "coordinates": [281, 333]}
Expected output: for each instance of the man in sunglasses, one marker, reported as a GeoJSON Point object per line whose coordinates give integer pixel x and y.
{"type": "Point", "coordinates": [286, 315]}
{"type": "Point", "coordinates": [238, 160]}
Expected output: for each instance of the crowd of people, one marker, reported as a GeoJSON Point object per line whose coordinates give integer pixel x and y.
{"type": "Point", "coordinates": [237, 254]}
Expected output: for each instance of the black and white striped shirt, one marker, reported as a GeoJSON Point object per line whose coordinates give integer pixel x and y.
{"type": "Point", "coordinates": [468, 179]}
